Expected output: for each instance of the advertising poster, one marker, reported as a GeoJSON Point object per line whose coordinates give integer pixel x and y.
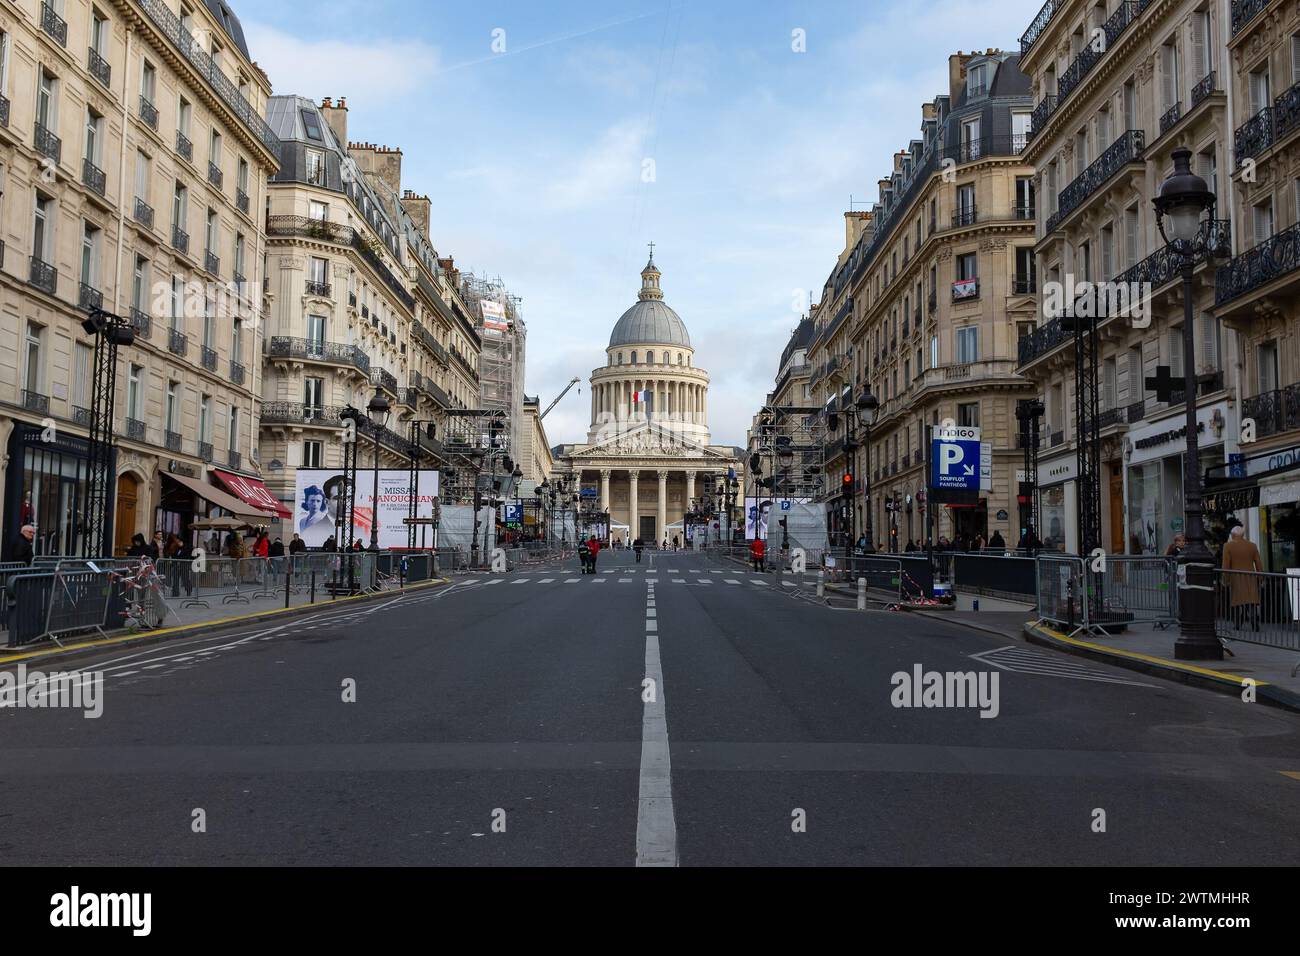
{"type": "Point", "coordinates": [321, 491]}
{"type": "Point", "coordinates": [494, 317]}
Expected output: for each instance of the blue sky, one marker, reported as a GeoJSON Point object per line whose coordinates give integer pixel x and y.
{"type": "Point", "coordinates": [534, 157]}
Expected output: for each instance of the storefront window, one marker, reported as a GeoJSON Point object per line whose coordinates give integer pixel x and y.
{"type": "Point", "coordinates": [1053, 518]}
{"type": "Point", "coordinates": [1281, 524]}
{"type": "Point", "coordinates": [53, 491]}
{"type": "Point", "coordinates": [1145, 509]}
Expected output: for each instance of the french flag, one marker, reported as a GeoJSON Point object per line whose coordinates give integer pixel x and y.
{"type": "Point", "coordinates": [643, 398]}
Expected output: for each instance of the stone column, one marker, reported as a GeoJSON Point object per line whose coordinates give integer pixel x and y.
{"type": "Point", "coordinates": [604, 488]}
{"type": "Point", "coordinates": [632, 517]}
{"type": "Point", "coordinates": [690, 487]}
{"type": "Point", "coordinates": [662, 526]}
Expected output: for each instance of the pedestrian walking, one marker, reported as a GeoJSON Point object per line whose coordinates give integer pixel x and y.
{"type": "Point", "coordinates": [638, 545]}
{"type": "Point", "coordinates": [1241, 556]}
{"type": "Point", "coordinates": [23, 550]}
{"type": "Point", "coordinates": [584, 556]}
{"type": "Point", "coordinates": [758, 551]}
{"type": "Point", "coordinates": [593, 549]}
{"type": "Point", "coordinates": [997, 542]}
{"type": "Point", "coordinates": [676, 542]}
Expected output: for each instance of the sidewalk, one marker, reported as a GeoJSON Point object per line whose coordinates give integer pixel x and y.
{"type": "Point", "coordinates": [189, 621]}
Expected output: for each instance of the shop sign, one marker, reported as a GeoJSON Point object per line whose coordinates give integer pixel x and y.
{"type": "Point", "coordinates": [1226, 502]}
{"type": "Point", "coordinates": [180, 468]}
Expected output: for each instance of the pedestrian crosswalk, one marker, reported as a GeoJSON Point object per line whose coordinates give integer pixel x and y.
{"type": "Point", "coordinates": [611, 578]}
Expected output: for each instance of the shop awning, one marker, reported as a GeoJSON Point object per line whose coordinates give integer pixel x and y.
{"type": "Point", "coordinates": [252, 491]}
{"type": "Point", "coordinates": [214, 495]}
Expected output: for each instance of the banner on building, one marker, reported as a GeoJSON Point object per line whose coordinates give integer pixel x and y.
{"type": "Point", "coordinates": [320, 492]}
{"type": "Point", "coordinates": [494, 317]}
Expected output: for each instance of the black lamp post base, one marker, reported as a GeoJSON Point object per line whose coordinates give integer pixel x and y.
{"type": "Point", "coordinates": [1197, 649]}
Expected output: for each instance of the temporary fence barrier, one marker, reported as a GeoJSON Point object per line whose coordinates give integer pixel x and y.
{"type": "Point", "coordinates": [1258, 607]}
{"type": "Point", "coordinates": [1134, 589]}
{"type": "Point", "coordinates": [1061, 592]}
{"type": "Point", "coordinates": [993, 573]}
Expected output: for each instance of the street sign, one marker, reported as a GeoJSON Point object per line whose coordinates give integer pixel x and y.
{"type": "Point", "coordinates": [429, 521]}
{"type": "Point", "coordinates": [955, 459]}
{"type": "Point", "coordinates": [986, 466]}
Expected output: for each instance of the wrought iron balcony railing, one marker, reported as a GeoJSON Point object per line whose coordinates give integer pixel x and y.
{"type": "Point", "coordinates": [36, 402]}
{"type": "Point", "coordinates": [135, 429]}
{"type": "Point", "coordinates": [321, 289]}
{"type": "Point", "coordinates": [382, 378]}
{"type": "Point", "coordinates": [81, 415]}
{"type": "Point", "coordinates": [1042, 113]}
{"type": "Point", "coordinates": [142, 323]}
{"type": "Point", "coordinates": [1040, 341]}
{"type": "Point", "coordinates": [93, 177]}
{"type": "Point", "coordinates": [234, 460]}
{"type": "Point", "coordinates": [54, 25]}
{"type": "Point", "coordinates": [205, 451]}
{"type": "Point", "coordinates": [241, 201]}
{"type": "Point", "coordinates": [180, 240]}
{"type": "Point", "coordinates": [143, 213]}
{"type": "Point", "coordinates": [1259, 266]}
{"type": "Point", "coordinates": [208, 357]}
{"type": "Point", "coordinates": [184, 147]}
{"type": "Point", "coordinates": [88, 298]}
{"type": "Point", "coordinates": [966, 216]}
{"type": "Point", "coordinates": [1170, 116]}
{"type": "Point", "coordinates": [1274, 412]}
{"type": "Point", "coordinates": [1127, 149]}
{"type": "Point", "coordinates": [215, 175]}
{"type": "Point", "coordinates": [148, 112]}
{"type": "Point", "coordinates": [1204, 87]}
{"type": "Point", "coordinates": [1038, 25]}
{"type": "Point", "coordinates": [43, 275]}
{"type": "Point", "coordinates": [335, 353]}
{"type": "Point", "coordinates": [212, 262]}
{"type": "Point", "coordinates": [47, 143]}
{"type": "Point", "coordinates": [99, 67]}
{"type": "Point", "coordinates": [4, 111]}
{"type": "Point", "coordinates": [1024, 211]}
{"type": "Point", "coordinates": [1164, 264]}
{"type": "Point", "coordinates": [1024, 285]}
{"type": "Point", "coordinates": [1243, 11]}
{"type": "Point", "coordinates": [172, 440]}
{"type": "Point", "coordinates": [178, 342]}
{"type": "Point", "coordinates": [237, 373]}
{"type": "Point", "coordinates": [296, 413]}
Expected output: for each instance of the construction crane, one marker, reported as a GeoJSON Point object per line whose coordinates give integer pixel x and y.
{"type": "Point", "coordinates": [572, 382]}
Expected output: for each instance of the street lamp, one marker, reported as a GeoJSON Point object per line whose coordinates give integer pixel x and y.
{"type": "Point", "coordinates": [1180, 204]}
{"type": "Point", "coordinates": [868, 408]}
{"type": "Point", "coordinates": [378, 411]}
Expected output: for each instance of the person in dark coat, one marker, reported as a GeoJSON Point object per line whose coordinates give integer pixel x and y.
{"type": "Point", "coordinates": [139, 547]}
{"type": "Point", "coordinates": [23, 550]}
{"type": "Point", "coordinates": [997, 542]}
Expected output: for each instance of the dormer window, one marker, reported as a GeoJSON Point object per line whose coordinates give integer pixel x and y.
{"type": "Point", "coordinates": [977, 80]}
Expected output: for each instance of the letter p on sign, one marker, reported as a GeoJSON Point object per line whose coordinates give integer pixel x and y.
{"type": "Point", "coordinates": [949, 455]}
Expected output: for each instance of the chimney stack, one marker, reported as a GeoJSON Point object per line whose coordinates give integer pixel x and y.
{"type": "Point", "coordinates": [336, 116]}
{"type": "Point", "coordinates": [420, 209]}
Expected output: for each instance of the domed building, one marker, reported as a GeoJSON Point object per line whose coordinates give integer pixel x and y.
{"type": "Point", "coordinates": [647, 456]}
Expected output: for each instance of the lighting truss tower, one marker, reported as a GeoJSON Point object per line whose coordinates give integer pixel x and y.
{"type": "Point", "coordinates": [343, 519]}
{"type": "Point", "coordinates": [110, 331]}
{"type": "Point", "coordinates": [1087, 411]}
{"type": "Point", "coordinates": [1029, 411]}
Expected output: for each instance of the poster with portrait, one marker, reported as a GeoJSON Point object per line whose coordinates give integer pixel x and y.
{"type": "Point", "coordinates": [321, 492]}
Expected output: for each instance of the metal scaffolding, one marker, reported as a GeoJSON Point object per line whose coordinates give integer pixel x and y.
{"type": "Point", "coordinates": [501, 326]}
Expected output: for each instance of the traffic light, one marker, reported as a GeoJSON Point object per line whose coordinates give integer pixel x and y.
{"type": "Point", "coordinates": [848, 481]}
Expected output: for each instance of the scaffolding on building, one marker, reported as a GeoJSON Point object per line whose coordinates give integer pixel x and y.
{"type": "Point", "coordinates": [497, 316]}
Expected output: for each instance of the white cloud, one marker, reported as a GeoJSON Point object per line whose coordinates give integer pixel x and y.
{"type": "Point", "coordinates": [609, 168]}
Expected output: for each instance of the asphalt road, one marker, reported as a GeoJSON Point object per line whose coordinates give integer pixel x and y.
{"type": "Point", "coordinates": [519, 700]}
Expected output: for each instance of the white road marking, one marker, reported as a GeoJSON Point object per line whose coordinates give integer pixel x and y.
{"type": "Point", "coordinates": [546, 580]}
{"type": "Point", "coordinates": [732, 581]}
{"type": "Point", "coordinates": [705, 581]}
{"type": "Point", "coordinates": [759, 581]}
{"type": "Point", "coordinates": [492, 581]}
{"type": "Point", "coordinates": [651, 624]}
{"type": "Point", "coordinates": [624, 580]}
{"type": "Point", "coordinates": [571, 580]}
{"type": "Point", "coordinates": [679, 580]}
{"type": "Point", "coordinates": [599, 580]}
{"type": "Point", "coordinates": [788, 584]}
{"type": "Point", "coordinates": [520, 581]}
{"type": "Point", "coordinates": [656, 824]}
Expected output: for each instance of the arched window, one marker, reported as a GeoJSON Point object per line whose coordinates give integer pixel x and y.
{"type": "Point", "coordinates": [620, 358]}
{"type": "Point", "coordinates": [666, 358]}
{"type": "Point", "coordinates": [679, 358]}
{"type": "Point", "coordinates": [633, 356]}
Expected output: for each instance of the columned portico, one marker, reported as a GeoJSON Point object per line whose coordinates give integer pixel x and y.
{"type": "Point", "coordinates": [634, 513]}
{"type": "Point", "coordinates": [662, 521]}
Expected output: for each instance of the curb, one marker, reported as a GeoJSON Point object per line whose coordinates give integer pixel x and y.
{"type": "Point", "coordinates": [164, 634]}
{"type": "Point", "coordinates": [1190, 674]}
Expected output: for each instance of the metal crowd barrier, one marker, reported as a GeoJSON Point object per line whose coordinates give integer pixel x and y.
{"type": "Point", "coordinates": [1061, 592]}
{"type": "Point", "coordinates": [1136, 589]}
{"type": "Point", "coordinates": [1258, 608]}
{"type": "Point", "coordinates": [994, 573]}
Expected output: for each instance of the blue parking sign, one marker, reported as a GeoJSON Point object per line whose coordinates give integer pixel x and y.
{"type": "Point", "coordinates": [955, 459]}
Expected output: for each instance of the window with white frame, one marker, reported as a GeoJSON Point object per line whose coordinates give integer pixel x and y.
{"type": "Point", "coordinates": [43, 228]}
{"type": "Point", "coordinates": [967, 344]}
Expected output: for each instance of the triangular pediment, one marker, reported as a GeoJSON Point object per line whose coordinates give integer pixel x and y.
{"type": "Point", "coordinates": [648, 440]}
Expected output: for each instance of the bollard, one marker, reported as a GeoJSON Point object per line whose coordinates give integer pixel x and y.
{"type": "Point", "coordinates": [288, 579]}
{"type": "Point", "coordinates": [821, 583]}
{"type": "Point", "coordinates": [862, 594]}
{"type": "Point", "coordinates": [313, 585]}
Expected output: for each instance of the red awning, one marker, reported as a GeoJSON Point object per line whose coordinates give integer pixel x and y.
{"type": "Point", "coordinates": [253, 492]}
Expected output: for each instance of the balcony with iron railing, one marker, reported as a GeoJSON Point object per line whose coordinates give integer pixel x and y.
{"type": "Point", "coordinates": [205, 451]}
{"type": "Point", "coordinates": [1275, 411]}
{"type": "Point", "coordinates": [1170, 117]}
{"type": "Point", "coordinates": [297, 413]}
{"type": "Point", "coordinates": [148, 113]}
{"type": "Point", "coordinates": [4, 112]}
{"type": "Point", "coordinates": [1255, 268]}
{"type": "Point", "coordinates": [382, 378]}
{"type": "Point", "coordinates": [1243, 11]}
{"type": "Point", "coordinates": [135, 429]}
{"type": "Point", "coordinates": [81, 415]}
{"type": "Point", "coordinates": [212, 262]}
{"type": "Point", "coordinates": [54, 25]}
{"type": "Point", "coordinates": [1269, 126]}
{"type": "Point", "coordinates": [241, 201]}
{"type": "Point", "coordinates": [142, 323]}
{"type": "Point", "coordinates": [42, 275]}
{"type": "Point", "coordinates": [1039, 24]}
{"type": "Point", "coordinates": [964, 216]}
{"type": "Point", "coordinates": [172, 440]}
{"type": "Point", "coordinates": [89, 298]}
{"type": "Point", "coordinates": [208, 357]}
{"type": "Point", "coordinates": [322, 289]}
{"type": "Point", "coordinates": [313, 350]}
{"type": "Point", "coordinates": [35, 401]}
{"type": "Point", "coordinates": [1203, 88]}
{"type": "Point", "coordinates": [237, 373]}
{"type": "Point", "coordinates": [178, 342]}
{"type": "Point", "coordinates": [46, 143]}
{"type": "Point", "coordinates": [182, 37]}
{"type": "Point", "coordinates": [184, 147]}
{"type": "Point", "coordinates": [1042, 340]}
{"type": "Point", "coordinates": [1024, 284]}
{"type": "Point", "coordinates": [234, 460]}
{"type": "Point", "coordinates": [99, 67]}
{"type": "Point", "coordinates": [93, 177]}
{"type": "Point", "coordinates": [1126, 149]}
{"type": "Point", "coordinates": [143, 213]}
{"type": "Point", "coordinates": [180, 240]}
{"type": "Point", "coordinates": [215, 176]}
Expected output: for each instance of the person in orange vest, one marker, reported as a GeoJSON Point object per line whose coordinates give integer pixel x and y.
{"type": "Point", "coordinates": [758, 551]}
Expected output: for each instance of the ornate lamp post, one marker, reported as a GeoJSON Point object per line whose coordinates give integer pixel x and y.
{"type": "Point", "coordinates": [378, 411]}
{"type": "Point", "coordinates": [868, 406]}
{"type": "Point", "coordinates": [1183, 199]}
